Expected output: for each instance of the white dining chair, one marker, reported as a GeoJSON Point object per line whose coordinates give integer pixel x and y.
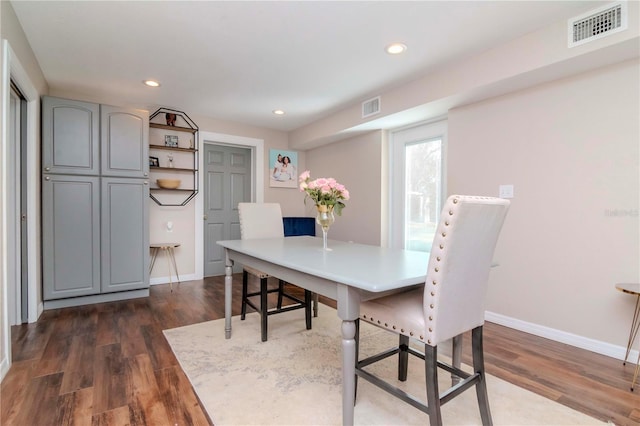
{"type": "Point", "coordinates": [451, 302]}
{"type": "Point", "coordinates": [259, 221]}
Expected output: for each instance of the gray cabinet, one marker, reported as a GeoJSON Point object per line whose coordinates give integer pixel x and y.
{"type": "Point", "coordinates": [124, 142]}
{"type": "Point", "coordinates": [71, 236]}
{"type": "Point", "coordinates": [70, 137]}
{"type": "Point", "coordinates": [125, 234]}
{"type": "Point", "coordinates": [95, 202]}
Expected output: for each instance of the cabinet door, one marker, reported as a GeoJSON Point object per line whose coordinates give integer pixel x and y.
{"type": "Point", "coordinates": [124, 142]}
{"type": "Point", "coordinates": [125, 234]}
{"type": "Point", "coordinates": [70, 136]}
{"type": "Point", "coordinates": [70, 236]}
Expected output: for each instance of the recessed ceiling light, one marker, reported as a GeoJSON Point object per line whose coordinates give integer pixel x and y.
{"type": "Point", "coordinates": [151, 83]}
{"type": "Point", "coordinates": [396, 48]}
{"type": "Point", "coordinates": [278, 112]}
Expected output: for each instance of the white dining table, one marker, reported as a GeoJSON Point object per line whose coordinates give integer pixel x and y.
{"type": "Point", "coordinates": [348, 273]}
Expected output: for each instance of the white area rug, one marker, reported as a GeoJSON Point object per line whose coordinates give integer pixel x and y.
{"type": "Point", "coordinates": [295, 378]}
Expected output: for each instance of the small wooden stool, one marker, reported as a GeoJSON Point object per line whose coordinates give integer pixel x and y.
{"type": "Point", "coordinates": [171, 258]}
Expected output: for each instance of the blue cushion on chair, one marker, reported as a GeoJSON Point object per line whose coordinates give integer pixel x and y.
{"type": "Point", "coordinates": [294, 226]}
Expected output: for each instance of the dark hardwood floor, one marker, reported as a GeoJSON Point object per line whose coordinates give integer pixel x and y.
{"type": "Point", "coordinates": [109, 364]}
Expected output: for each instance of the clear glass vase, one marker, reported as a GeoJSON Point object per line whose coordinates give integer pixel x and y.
{"type": "Point", "coordinates": [325, 219]}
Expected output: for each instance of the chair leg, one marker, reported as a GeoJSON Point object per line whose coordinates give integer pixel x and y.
{"type": "Point", "coordinates": [481, 385]}
{"type": "Point", "coordinates": [357, 340]}
{"type": "Point", "coordinates": [433, 393]}
{"type": "Point", "coordinates": [245, 278]}
{"type": "Point", "coordinates": [456, 357]}
{"type": "Point", "coordinates": [280, 293]}
{"type": "Point", "coordinates": [315, 304]}
{"type": "Point", "coordinates": [403, 357]}
{"type": "Point", "coordinates": [264, 314]}
{"type": "Point", "coordinates": [307, 308]}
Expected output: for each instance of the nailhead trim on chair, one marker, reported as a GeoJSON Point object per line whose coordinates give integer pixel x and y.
{"type": "Point", "coordinates": [386, 325]}
{"type": "Point", "coordinates": [436, 269]}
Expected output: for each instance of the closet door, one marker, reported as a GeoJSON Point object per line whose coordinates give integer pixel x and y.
{"type": "Point", "coordinates": [70, 236]}
{"type": "Point", "coordinates": [124, 142]}
{"type": "Point", "coordinates": [125, 234]}
{"type": "Point", "coordinates": [70, 137]}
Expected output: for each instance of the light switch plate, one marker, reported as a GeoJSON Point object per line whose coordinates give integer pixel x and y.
{"type": "Point", "coordinates": [506, 191]}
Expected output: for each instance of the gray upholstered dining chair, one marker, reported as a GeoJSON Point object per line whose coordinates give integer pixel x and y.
{"type": "Point", "coordinates": [257, 221]}
{"type": "Point", "coordinates": [451, 302]}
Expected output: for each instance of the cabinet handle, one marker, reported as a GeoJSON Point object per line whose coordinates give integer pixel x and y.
{"type": "Point", "coordinates": [146, 183]}
{"type": "Point", "coordinates": [146, 174]}
{"type": "Point", "coordinates": [47, 178]}
{"type": "Point", "coordinates": [46, 169]}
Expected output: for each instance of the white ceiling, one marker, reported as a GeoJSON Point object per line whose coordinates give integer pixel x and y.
{"type": "Point", "coordinates": [239, 60]}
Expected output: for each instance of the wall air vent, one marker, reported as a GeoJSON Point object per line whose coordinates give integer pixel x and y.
{"type": "Point", "coordinates": [597, 23]}
{"type": "Point", "coordinates": [371, 107]}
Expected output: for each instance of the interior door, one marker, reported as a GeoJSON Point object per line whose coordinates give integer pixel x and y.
{"type": "Point", "coordinates": [227, 182]}
{"type": "Point", "coordinates": [14, 240]}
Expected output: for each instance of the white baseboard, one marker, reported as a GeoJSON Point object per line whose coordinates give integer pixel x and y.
{"type": "Point", "coordinates": [581, 342]}
{"type": "Point", "coordinates": [165, 280]}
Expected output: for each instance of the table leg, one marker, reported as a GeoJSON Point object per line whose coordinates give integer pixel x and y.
{"type": "Point", "coordinates": [348, 371]}
{"type": "Point", "coordinates": [172, 254]}
{"type": "Point", "coordinates": [154, 255]}
{"type": "Point", "coordinates": [228, 281]}
{"type": "Point", "coordinates": [635, 374]}
{"type": "Point", "coordinates": [348, 299]}
{"type": "Point", "coordinates": [635, 326]}
{"type": "Point", "coordinates": [167, 255]}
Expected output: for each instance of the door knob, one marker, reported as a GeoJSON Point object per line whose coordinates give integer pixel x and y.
{"type": "Point", "coordinates": [205, 217]}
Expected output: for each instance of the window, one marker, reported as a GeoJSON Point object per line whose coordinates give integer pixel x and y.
{"type": "Point", "coordinates": [417, 184]}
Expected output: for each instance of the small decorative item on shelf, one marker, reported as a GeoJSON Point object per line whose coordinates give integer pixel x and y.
{"type": "Point", "coordinates": [171, 141]}
{"type": "Point", "coordinates": [154, 162]}
{"type": "Point", "coordinates": [168, 183]}
{"type": "Point", "coordinates": [170, 158]}
{"type": "Point", "coordinates": [171, 119]}
{"type": "Point", "coordinates": [328, 196]}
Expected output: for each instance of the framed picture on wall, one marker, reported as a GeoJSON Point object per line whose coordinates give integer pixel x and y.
{"type": "Point", "coordinates": [283, 168]}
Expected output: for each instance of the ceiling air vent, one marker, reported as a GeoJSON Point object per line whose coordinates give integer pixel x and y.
{"type": "Point", "coordinates": [598, 23]}
{"type": "Point", "coordinates": [371, 107]}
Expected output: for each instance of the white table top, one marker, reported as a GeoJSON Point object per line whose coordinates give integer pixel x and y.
{"type": "Point", "coordinates": [164, 245]}
{"type": "Point", "coordinates": [630, 288]}
{"type": "Point", "coordinates": [370, 268]}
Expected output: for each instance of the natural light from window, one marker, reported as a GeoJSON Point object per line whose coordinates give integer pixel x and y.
{"type": "Point", "coordinates": [423, 188]}
{"type": "Point", "coordinates": [417, 185]}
